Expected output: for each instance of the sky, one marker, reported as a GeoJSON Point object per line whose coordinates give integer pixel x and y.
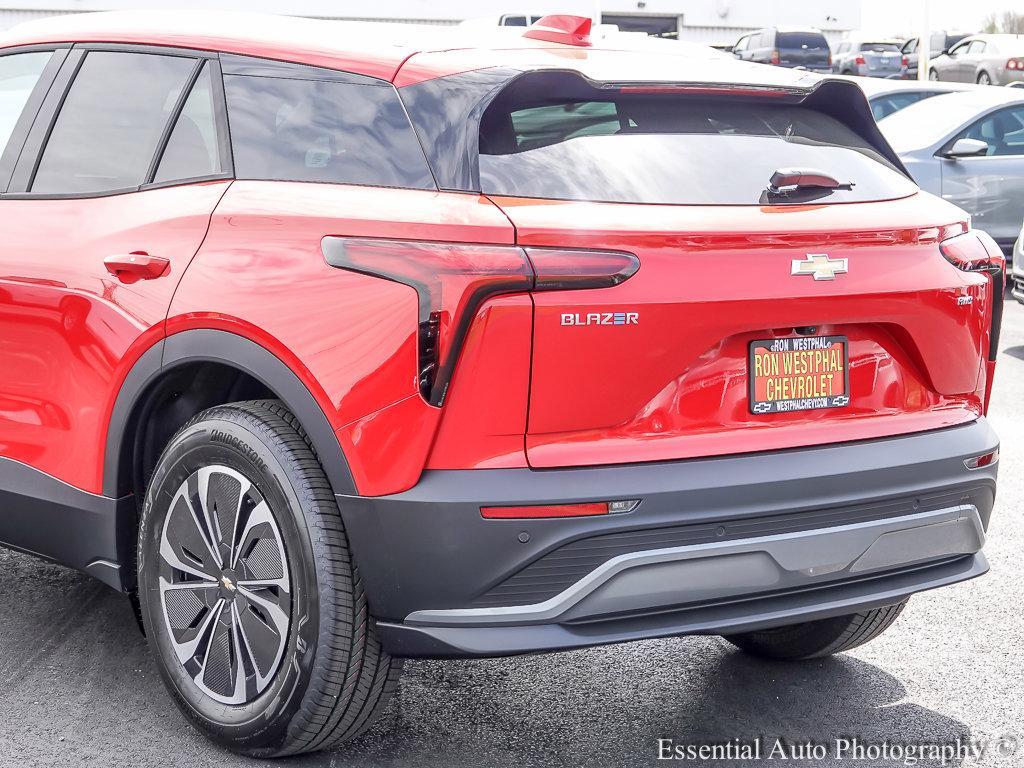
{"type": "Point", "coordinates": [904, 16]}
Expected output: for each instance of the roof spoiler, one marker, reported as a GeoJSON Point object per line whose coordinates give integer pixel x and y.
{"type": "Point", "coordinates": [447, 111]}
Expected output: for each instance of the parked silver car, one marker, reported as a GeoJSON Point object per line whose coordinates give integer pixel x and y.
{"type": "Point", "coordinates": [938, 42]}
{"type": "Point", "coordinates": [983, 59]}
{"type": "Point", "coordinates": [968, 147]}
{"type": "Point", "coordinates": [889, 96]}
{"type": "Point", "coordinates": [869, 57]}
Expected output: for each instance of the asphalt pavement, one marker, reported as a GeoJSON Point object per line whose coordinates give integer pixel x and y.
{"type": "Point", "coordinates": [77, 685]}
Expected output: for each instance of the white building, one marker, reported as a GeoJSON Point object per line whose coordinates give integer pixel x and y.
{"type": "Point", "coordinates": [708, 21]}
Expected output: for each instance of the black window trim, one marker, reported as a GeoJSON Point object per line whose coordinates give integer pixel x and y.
{"type": "Point", "coordinates": [46, 118]}
{"type": "Point", "coordinates": [16, 141]}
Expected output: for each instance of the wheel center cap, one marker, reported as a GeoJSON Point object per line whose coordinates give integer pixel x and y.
{"type": "Point", "coordinates": [228, 587]}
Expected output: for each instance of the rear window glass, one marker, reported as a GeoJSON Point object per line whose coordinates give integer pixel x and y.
{"type": "Point", "coordinates": [800, 40]}
{"type": "Point", "coordinates": [316, 130]}
{"type": "Point", "coordinates": [879, 47]}
{"type": "Point", "coordinates": [674, 150]}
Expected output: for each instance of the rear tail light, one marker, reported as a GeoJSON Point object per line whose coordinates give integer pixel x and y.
{"type": "Point", "coordinates": [976, 251]}
{"type": "Point", "coordinates": [973, 251]}
{"type": "Point", "coordinates": [860, 61]}
{"type": "Point", "coordinates": [587, 509]}
{"type": "Point", "coordinates": [1015, 64]}
{"type": "Point", "coordinates": [558, 270]}
{"type": "Point", "coordinates": [452, 280]}
{"type": "Point", "coordinates": [830, 59]}
{"type": "Point", "coordinates": [905, 61]}
{"type": "Point", "coordinates": [776, 59]}
{"type": "Point", "coordinates": [985, 460]}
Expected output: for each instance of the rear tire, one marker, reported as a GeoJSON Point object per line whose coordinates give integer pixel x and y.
{"type": "Point", "coordinates": [984, 79]}
{"type": "Point", "coordinates": [289, 662]}
{"type": "Point", "coordinates": [933, 75]}
{"type": "Point", "coordinates": [816, 639]}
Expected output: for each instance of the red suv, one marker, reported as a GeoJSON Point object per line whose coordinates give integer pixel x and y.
{"type": "Point", "coordinates": [330, 352]}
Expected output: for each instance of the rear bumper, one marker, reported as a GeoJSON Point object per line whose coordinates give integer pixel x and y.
{"type": "Point", "coordinates": [717, 545]}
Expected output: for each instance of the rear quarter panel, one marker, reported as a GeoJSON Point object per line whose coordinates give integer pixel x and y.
{"type": "Point", "coordinates": [349, 337]}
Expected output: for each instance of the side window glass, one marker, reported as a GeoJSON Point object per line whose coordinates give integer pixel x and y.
{"type": "Point", "coordinates": [111, 122]}
{"type": "Point", "coordinates": [193, 150]}
{"type": "Point", "coordinates": [1003, 131]}
{"type": "Point", "coordinates": [292, 129]}
{"type": "Point", "coordinates": [19, 74]}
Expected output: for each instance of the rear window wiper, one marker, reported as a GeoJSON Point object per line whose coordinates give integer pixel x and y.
{"type": "Point", "coordinates": [799, 185]}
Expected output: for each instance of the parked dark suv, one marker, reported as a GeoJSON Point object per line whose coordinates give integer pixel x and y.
{"type": "Point", "coordinates": [332, 350]}
{"type": "Point", "coordinates": [795, 48]}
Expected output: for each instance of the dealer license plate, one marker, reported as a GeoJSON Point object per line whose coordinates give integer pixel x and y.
{"type": "Point", "coordinates": [799, 374]}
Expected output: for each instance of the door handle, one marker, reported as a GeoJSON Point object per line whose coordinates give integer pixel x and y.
{"type": "Point", "coordinates": [138, 265]}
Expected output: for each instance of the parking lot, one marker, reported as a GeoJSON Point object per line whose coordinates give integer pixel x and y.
{"type": "Point", "coordinates": [78, 687]}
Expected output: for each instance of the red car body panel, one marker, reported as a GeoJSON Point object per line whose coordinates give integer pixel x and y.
{"type": "Point", "coordinates": [653, 391]}
{"type": "Point", "coordinates": [349, 337]}
{"type": "Point", "coordinates": [485, 414]}
{"type": "Point", "coordinates": [69, 330]}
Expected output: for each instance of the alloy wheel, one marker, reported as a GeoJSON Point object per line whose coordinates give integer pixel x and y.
{"type": "Point", "coordinates": [224, 584]}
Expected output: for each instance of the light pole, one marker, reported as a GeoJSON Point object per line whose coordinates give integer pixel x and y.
{"type": "Point", "coordinates": [924, 53]}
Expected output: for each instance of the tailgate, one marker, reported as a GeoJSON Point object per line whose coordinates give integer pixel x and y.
{"type": "Point", "coordinates": [659, 367]}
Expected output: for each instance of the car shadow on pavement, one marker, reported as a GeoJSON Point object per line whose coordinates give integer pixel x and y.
{"type": "Point", "coordinates": [78, 686]}
{"type": "Point", "coordinates": [610, 706]}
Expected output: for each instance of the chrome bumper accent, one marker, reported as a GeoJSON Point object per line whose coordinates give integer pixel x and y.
{"type": "Point", "coordinates": [675, 577]}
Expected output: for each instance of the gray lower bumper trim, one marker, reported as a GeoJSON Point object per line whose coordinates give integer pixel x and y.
{"type": "Point", "coordinates": [678, 576]}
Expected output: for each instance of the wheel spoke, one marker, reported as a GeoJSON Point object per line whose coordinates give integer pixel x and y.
{"type": "Point", "coordinates": [189, 649]}
{"type": "Point", "coordinates": [259, 515]}
{"type": "Point", "coordinates": [278, 618]}
{"type": "Point", "coordinates": [222, 492]}
{"type": "Point", "coordinates": [192, 535]}
{"type": "Point", "coordinates": [243, 653]}
{"type": "Point", "coordinates": [182, 545]}
{"type": "Point", "coordinates": [213, 634]}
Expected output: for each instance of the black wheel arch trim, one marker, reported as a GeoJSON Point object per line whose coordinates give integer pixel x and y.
{"type": "Point", "coordinates": [234, 350]}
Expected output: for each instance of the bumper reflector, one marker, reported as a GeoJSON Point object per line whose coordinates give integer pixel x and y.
{"type": "Point", "coordinates": [559, 510]}
{"type": "Point", "coordinates": [986, 460]}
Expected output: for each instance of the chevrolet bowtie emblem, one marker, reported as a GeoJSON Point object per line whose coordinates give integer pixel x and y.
{"type": "Point", "coordinates": [228, 584]}
{"type": "Point", "coordinates": [819, 265]}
